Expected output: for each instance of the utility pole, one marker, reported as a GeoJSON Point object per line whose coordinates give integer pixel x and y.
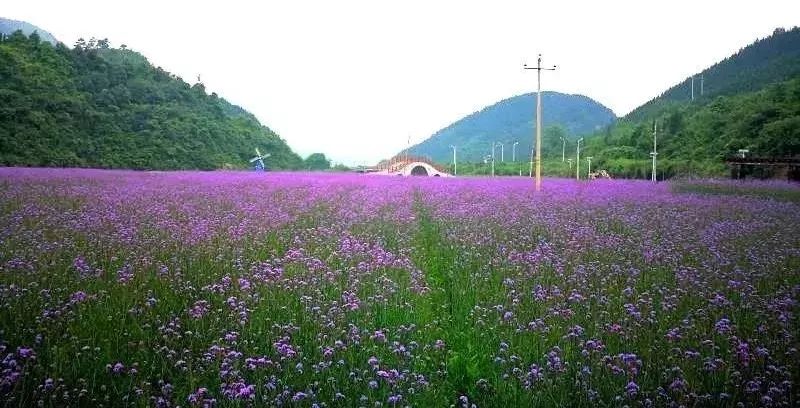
{"type": "Point", "coordinates": [502, 152]}
{"type": "Point", "coordinates": [514, 152]}
{"type": "Point", "coordinates": [563, 147]}
{"type": "Point", "coordinates": [539, 70]}
{"type": "Point", "coordinates": [578, 161]}
{"type": "Point", "coordinates": [654, 153]}
{"type": "Point", "coordinates": [692, 87]}
{"type": "Point", "coordinates": [455, 164]}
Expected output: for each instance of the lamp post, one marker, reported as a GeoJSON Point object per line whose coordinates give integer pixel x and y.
{"type": "Point", "coordinates": [493, 144]}
{"type": "Point", "coordinates": [654, 153]}
{"type": "Point", "coordinates": [455, 164]}
{"type": "Point", "coordinates": [589, 159]}
{"type": "Point", "coordinates": [502, 152]}
{"type": "Point", "coordinates": [538, 139]}
{"type": "Point", "coordinates": [514, 152]}
{"type": "Point", "coordinates": [530, 171]}
{"type": "Point", "coordinates": [563, 147]}
{"type": "Point", "coordinates": [578, 161]}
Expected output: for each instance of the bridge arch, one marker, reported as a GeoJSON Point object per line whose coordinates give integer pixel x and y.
{"type": "Point", "coordinates": [419, 171]}
{"type": "Point", "coordinates": [408, 166]}
{"type": "Point", "coordinates": [419, 168]}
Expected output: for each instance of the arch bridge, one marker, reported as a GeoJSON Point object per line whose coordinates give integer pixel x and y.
{"type": "Point", "coordinates": [407, 165]}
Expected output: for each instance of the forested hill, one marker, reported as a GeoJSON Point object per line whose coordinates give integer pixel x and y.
{"type": "Point", "coordinates": [8, 27]}
{"type": "Point", "coordinates": [94, 106]}
{"type": "Point", "coordinates": [764, 62]}
{"type": "Point", "coordinates": [694, 139]}
{"type": "Point", "coordinates": [512, 120]}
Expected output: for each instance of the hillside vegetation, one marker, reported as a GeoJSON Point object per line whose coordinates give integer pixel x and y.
{"type": "Point", "coordinates": [694, 140]}
{"type": "Point", "coordinates": [94, 106]}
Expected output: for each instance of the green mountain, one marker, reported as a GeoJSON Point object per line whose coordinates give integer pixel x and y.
{"type": "Point", "coordinates": [513, 120]}
{"type": "Point", "coordinates": [751, 100]}
{"type": "Point", "coordinates": [8, 27]}
{"type": "Point", "coordinates": [94, 106]}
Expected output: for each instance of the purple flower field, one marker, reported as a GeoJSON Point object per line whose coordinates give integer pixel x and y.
{"type": "Point", "coordinates": [244, 289]}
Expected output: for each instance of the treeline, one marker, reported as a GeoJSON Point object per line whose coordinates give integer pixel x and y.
{"type": "Point", "coordinates": [95, 106]}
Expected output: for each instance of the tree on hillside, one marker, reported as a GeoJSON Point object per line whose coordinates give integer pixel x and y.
{"type": "Point", "coordinates": [317, 161]}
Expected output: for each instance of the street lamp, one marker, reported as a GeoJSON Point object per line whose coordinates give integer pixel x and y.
{"type": "Point", "coordinates": [530, 172]}
{"type": "Point", "coordinates": [493, 145]}
{"type": "Point", "coordinates": [654, 153]}
{"type": "Point", "coordinates": [539, 118]}
{"type": "Point", "coordinates": [502, 152]}
{"type": "Point", "coordinates": [563, 146]}
{"type": "Point", "coordinates": [514, 152]}
{"type": "Point", "coordinates": [578, 161]}
{"type": "Point", "coordinates": [589, 159]}
{"type": "Point", "coordinates": [455, 164]}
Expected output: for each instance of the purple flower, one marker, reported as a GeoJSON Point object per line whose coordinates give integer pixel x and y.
{"type": "Point", "coordinates": [116, 368]}
{"type": "Point", "coordinates": [395, 399]}
{"type": "Point", "coordinates": [723, 326]}
{"type": "Point", "coordinates": [373, 361]}
{"type": "Point", "coordinates": [378, 336]}
{"type": "Point", "coordinates": [26, 353]}
{"type": "Point", "coordinates": [199, 309]}
{"type": "Point", "coordinates": [632, 389]}
{"type": "Point", "coordinates": [78, 297]}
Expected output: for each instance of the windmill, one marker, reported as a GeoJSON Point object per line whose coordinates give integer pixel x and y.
{"type": "Point", "coordinates": [258, 161]}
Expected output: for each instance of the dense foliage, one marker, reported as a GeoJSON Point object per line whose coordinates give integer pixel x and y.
{"type": "Point", "coordinates": [316, 161]}
{"type": "Point", "coordinates": [223, 289]}
{"type": "Point", "coordinates": [96, 106]}
{"type": "Point", "coordinates": [512, 120]}
{"type": "Point", "coordinates": [694, 139]}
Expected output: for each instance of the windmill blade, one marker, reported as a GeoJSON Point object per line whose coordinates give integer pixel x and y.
{"type": "Point", "coordinates": [266, 155]}
{"type": "Point", "coordinates": [255, 159]}
{"type": "Point", "coordinates": [258, 153]}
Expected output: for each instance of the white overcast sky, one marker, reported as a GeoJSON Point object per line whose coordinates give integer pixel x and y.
{"type": "Point", "coordinates": [356, 79]}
